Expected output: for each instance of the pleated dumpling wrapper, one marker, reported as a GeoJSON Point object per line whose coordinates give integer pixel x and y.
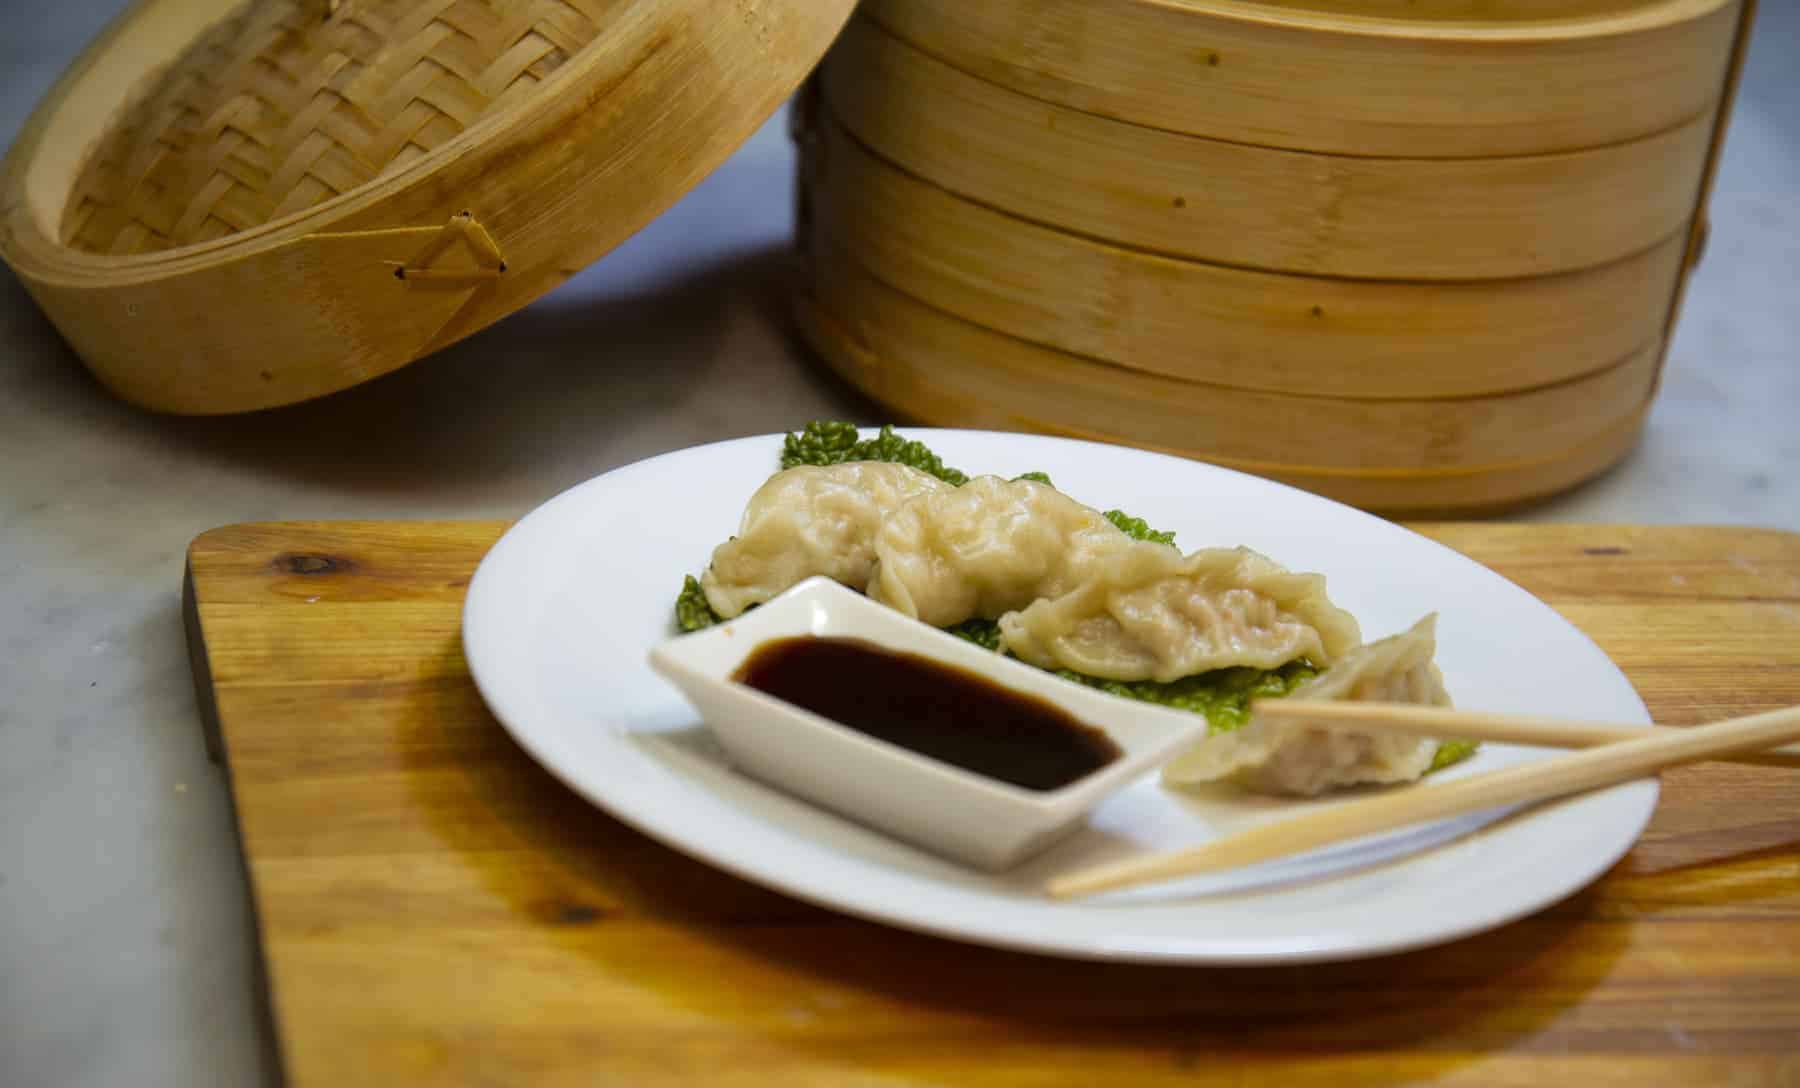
{"type": "Point", "coordinates": [1299, 758]}
{"type": "Point", "coordinates": [1151, 613]}
{"type": "Point", "coordinates": [807, 521]}
{"type": "Point", "coordinates": [989, 547]}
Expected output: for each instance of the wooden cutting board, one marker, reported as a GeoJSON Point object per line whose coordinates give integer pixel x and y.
{"type": "Point", "coordinates": [435, 909]}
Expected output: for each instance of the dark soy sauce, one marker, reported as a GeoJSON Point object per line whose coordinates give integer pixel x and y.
{"type": "Point", "coordinates": [937, 710]}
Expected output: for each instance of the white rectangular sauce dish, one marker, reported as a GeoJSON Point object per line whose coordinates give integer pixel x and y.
{"type": "Point", "coordinates": [970, 817]}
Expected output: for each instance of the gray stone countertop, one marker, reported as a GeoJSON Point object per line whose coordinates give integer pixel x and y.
{"type": "Point", "coordinates": [125, 947]}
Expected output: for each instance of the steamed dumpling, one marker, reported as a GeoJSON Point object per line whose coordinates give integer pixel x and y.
{"type": "Point", "coordinates": [989, 547]}
{"type": "Point", "coordinates": [1294, 757]}
{"type": "Point", "coordinates": [1150, 613]}
{"type": "Point", "coordinates": [807, 521]}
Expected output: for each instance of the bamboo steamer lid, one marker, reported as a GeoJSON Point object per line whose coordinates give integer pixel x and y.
{"type": "Point", "coordinates": [1409, 78]}
{"type": "Point", "coordinates": [1229, 326]}
{"type": "Point", "coordinates": [228, 206]}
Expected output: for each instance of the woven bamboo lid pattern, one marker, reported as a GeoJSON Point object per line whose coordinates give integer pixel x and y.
{"type": "Point", "coordinates": [289, 103]}
{"type": "Point", "coordinates": [230, 205]}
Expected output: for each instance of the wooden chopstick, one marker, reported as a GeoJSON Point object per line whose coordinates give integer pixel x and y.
{"type": "Point", "coordinates": [1607, 765]}
{"type": "Point", "coordinates": [1438, 721]}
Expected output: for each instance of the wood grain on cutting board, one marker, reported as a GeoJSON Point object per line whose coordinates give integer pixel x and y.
{"type": "Point", "coordinates": [436, 909]}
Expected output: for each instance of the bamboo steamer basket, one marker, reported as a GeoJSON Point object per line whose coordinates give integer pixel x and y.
{"type": "Point", "coordinates": [1228, 326]}
{"type": "Point", "coordinates": [1404, 78]}
{"type": "Point", "coordinates": [915, 358]}
{"type": "Point", "coordinates": [227, 206]}
{"type": "Point", "coordinates": [1417, 255]}
{"type": "Point", "coordinates": [1446, 491]}
{"type": "Point", "coordinates": [1257, 206]}
{"type": "Point", "coordinates": [906, 355]}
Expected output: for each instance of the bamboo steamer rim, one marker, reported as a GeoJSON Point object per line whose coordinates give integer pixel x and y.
{"type": "Point", "coordinates": [913, 353]}
{"type": "Point", "coordinates": [1348, 85]}
{"type": "Point", "coordinates": [1437, 12]}
{"type": "Point", "coordinates": [1058, 290]}
{"type": "Point", "coordinates": [1255, 206]}
{"type": "Point", "coordinates": [1653, 15]}
{"type": "Point", "coordinates": [1484, 489]}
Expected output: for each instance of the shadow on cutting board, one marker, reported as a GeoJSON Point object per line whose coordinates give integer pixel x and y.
{"type": "Point", "coordinates": [802, 978]}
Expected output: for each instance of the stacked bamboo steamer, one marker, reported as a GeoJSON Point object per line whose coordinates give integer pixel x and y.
{"type": "Point", "coordinates": [1412, 254]}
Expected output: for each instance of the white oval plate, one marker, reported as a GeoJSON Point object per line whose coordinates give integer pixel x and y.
{"type": "Point", "coordinates": [564, 609]}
